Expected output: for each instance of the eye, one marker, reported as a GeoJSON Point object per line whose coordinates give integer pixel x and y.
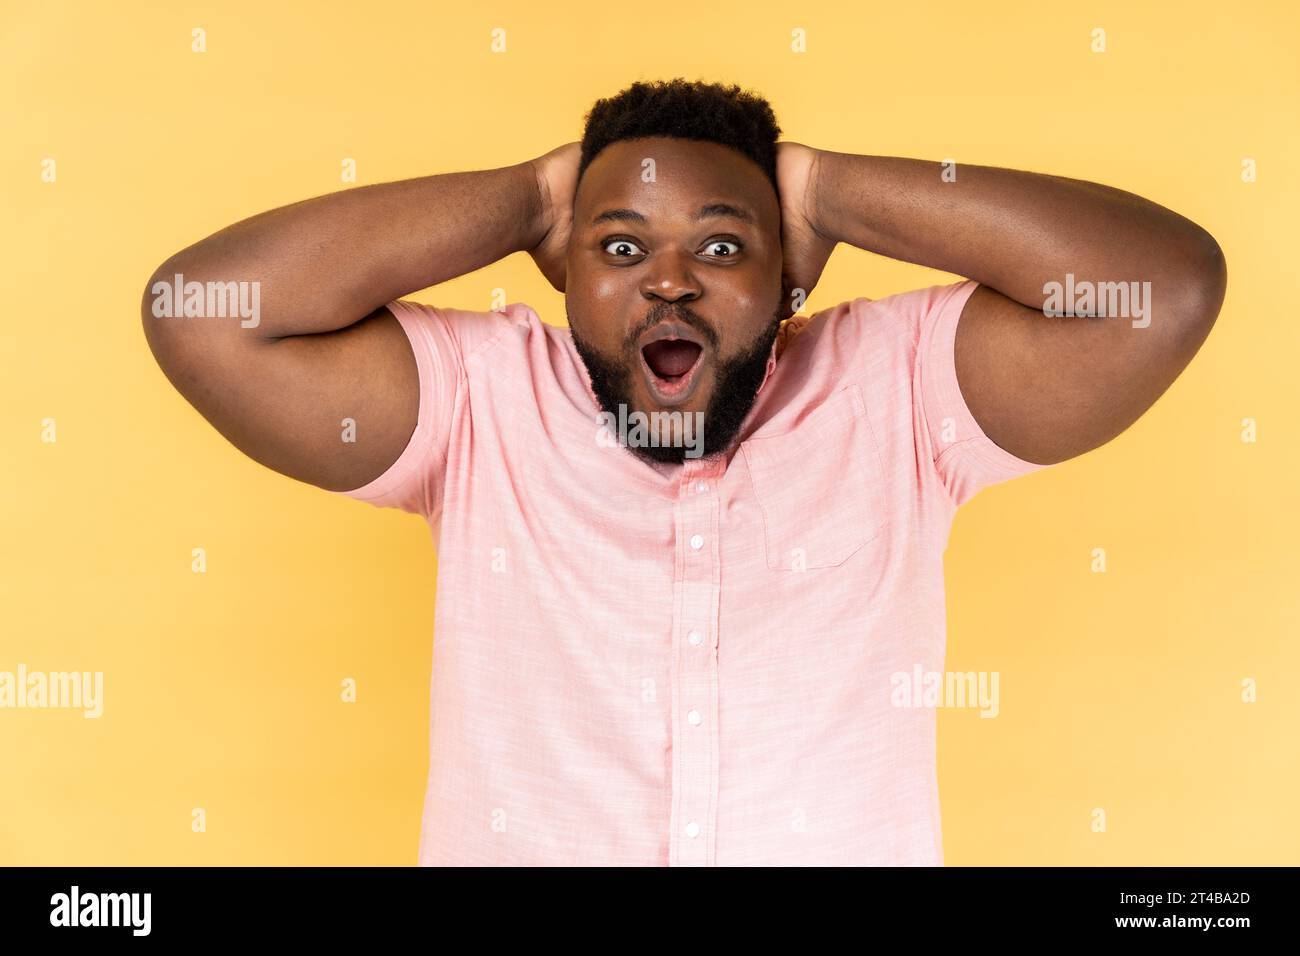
{"type": "Point", "coordinates": [620, 248]}
{"type": "Point", "coordinates": [713, 247]}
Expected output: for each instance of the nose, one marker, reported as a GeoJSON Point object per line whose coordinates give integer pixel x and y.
{"type": "Point", "coordinates": [670, 279]}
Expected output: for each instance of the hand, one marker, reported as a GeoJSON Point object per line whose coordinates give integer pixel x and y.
{"type": "Point", "coordinates": [557, 182]}
{"type": "Point", "coordinates": [805, 249]}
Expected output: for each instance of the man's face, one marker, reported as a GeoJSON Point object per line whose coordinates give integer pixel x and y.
{"type": "Point", "coordinates": [673, 288]}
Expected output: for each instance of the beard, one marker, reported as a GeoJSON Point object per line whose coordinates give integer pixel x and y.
{"type": "Point", "coordinates": [736, 383]}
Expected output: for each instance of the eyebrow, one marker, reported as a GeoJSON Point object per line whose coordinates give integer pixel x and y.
{"type": "Point", "coordinates": [714, 210]}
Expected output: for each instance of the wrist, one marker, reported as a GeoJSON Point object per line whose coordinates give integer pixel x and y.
{"type": "Point", "coordinates": [535, 219]}
{"type": "Point", "coordinates": [819, 200]}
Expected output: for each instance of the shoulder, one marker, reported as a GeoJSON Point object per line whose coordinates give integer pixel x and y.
{"type": "Point", "coordinates": [469, 333]}
{"type": "Point", "coordinates": [868, 334]}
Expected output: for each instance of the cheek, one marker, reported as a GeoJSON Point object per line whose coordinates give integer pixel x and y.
{"type": "Point", "coordinates": [595, 285]}
{"type": "Point", "coordinates": [597, 306]}
{"type": "Point", "coordinates": [751, 309]}
{"type": "Point", "coordinates": [608, 288]}
{"type": "Point", "coordinates": [592, 325]}
{"type": "Point", "coordinates": [757, 285]}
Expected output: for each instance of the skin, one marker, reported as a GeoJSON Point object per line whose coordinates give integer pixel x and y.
{"type": "Point", "coordinates": [325, 348]}
{"type": "Point", "coordinates": [724, 271]}
{"type": "Point", "coordinates": [1045, 389]}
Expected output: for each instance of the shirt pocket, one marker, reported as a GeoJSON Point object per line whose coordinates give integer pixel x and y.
{"type": "Point", "coordinates": [819, 486]}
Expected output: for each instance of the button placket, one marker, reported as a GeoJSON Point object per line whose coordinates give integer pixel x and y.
{"type": "Point", "coordinates": [694, 691]}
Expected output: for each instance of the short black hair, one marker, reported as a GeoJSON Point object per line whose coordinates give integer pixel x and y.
{"type": "Point", "coordinates": [679, 108]}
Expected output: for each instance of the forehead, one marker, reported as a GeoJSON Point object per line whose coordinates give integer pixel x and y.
{"type": "Point", "coordinates": [674, 177]}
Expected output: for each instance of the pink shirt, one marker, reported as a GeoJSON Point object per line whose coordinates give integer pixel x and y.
{"type": "Point", "coordinates": [688, 665]}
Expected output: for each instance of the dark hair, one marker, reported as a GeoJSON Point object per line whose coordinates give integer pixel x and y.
{"type": "Point", "coordinates": [720, 114]}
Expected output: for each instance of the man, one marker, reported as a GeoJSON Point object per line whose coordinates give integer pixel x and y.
{"type": "Point", "coordinates": [674, 645]}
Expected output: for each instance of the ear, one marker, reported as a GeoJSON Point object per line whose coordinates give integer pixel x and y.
{"type": "Point", "coordinates": [787, 297]}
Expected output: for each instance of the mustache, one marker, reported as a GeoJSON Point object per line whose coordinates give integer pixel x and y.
{"type": "Point", "coordinates": [663, 311]}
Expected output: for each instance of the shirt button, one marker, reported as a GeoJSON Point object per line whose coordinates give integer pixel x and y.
{"type": "Point", "coordinates": [701, 487]}
{"type": "Point", "coordinates": [692, 829]}
{"type": "Point", "coordinates": [697, 541]}
{"type": "Point", "coordinates": [694, 637]}
{"type": "Point", "coordinates": [694, 717]}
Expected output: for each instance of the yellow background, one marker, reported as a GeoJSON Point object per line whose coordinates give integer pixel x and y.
{"type": "Point", "coordinates": [1119, 691]}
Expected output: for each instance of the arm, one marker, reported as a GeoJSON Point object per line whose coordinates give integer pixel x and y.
{"type": "Point", "coordinates": [1043, 388]}
{"type": "Point", "coordinates": [321, 347]}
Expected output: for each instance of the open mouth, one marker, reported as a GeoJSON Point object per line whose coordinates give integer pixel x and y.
{"type": "Point", "coordinates": [671, 366]}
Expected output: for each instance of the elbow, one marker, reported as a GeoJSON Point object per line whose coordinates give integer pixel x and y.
{"type": "Point", "coordinates": [1201, 283]}
{"type": "Point", "coordinates": [153, 304]}
{"type": "Point", "coordinates": [158, 314]}
{"type": "Point", "coordinates": [1212, 270]}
